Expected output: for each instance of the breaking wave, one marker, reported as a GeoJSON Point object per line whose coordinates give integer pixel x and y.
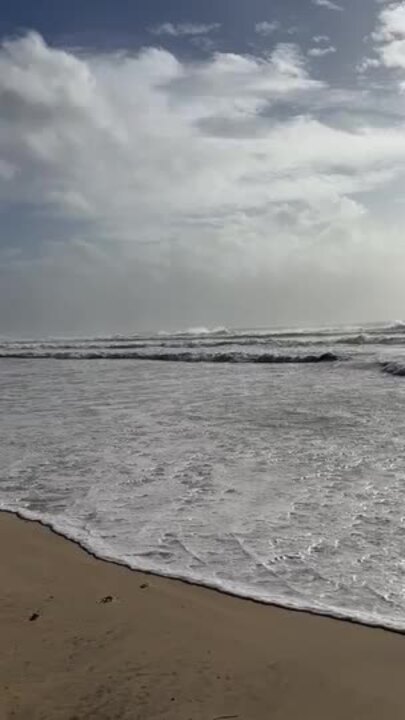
{"type": "Point", "coordinates": [393, 367]}
{"type": "Point", "coordinates": [380, 346]}
{"type": "Point", "coordinates": [182, 342]}
{"type": "Point", "coordinates": [397, 326]}
{"type": "Point", "coordinates": [199, 331]}
{"type": "Point", "coordinates": [173, 356]}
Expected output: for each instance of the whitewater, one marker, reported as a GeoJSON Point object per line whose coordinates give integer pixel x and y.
{"type": "Point", "coordinates": [265, 463]}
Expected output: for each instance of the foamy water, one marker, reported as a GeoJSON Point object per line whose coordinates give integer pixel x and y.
{"type": "Point", "coordinates": [271, 465]}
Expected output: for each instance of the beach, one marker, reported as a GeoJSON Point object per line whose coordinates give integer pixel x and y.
{"type": "Point", "coordinates": [84, 638]}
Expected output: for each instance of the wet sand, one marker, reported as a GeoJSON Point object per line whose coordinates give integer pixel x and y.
{"type": "Point", "coordinates": [82, 638]}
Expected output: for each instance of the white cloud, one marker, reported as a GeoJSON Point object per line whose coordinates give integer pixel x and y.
{"type": "Point", "coordinates": [391, 35]}
{"type": "Point", "coordinates": [328, 4]}
{"type": "Point", "coordinates": [321, 51]}
{"type": "Point", "coordinates": [389, 38]}
{"type": "Point", "coordinates": [367, 64]}
{"type": "Point", "coordinates": [167, 177]}
{"type": "Point", "coordinates": [267, 28]}
{"type": "Point", "coordinates": [391, 22]}
{"type": "Point", "coordinates": [184, 29]}
{"type": "Point", "coordinates": [288, 61]}
{"type": "Point", "coordinates": [321, 39]}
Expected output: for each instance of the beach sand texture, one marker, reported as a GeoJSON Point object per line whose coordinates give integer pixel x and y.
{"type": "Point", "coordinates": [82, 638]}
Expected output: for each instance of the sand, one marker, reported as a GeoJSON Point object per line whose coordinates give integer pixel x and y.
{"type": "Point", "coordinates": [159, 648]}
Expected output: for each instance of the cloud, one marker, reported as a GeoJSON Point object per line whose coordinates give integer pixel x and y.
{"type": "Point", "coordinates": [321, 39]}
{"type": "Point", "coordinates": [267, 28]}
{"type": "Point", "coordinates": [146, 190]}
{"type": "Point", "coordinates": [321, 51]}
{"type": "Point", "coordinates": [184, 29]}
{"type": "Point", "coordinates": [389, 42]}
{"type": "Point", "coordinates": [391, 22]}
{"type": "Point", "coordinates": [390, 36]}
{"type": "Point", "coordinates": [7, 171]}
{"type": "Point", "coordinates": [367, 64]}
{"type": "Point", "coordinates": [328, 4]}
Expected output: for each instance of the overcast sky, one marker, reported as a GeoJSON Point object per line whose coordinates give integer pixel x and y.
{"type": "Point", "coordinates": [200, 162]}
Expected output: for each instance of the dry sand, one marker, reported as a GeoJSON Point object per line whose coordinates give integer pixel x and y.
{"type": "Point", "coordinates": [164, 649]}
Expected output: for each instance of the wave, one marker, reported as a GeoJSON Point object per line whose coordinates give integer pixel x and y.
{"type": "Point", "coordinates": [229, 344]}
{"type": "Point", "coordinates": [393, 367]}
{"type": "Point", "coordinates": [389, 334]}
{"type": "Point", "coordinates": [267, 332]}
{"type": "Point", "coordinates": [187, 357]}
{"type": "Point", "coordinates": [98, 550]}
{"type": "Point", "coordinates": [367, 339]}
{"type": "Point", "coordinates": [397, 326]}
{"type": "Point", "coordinates": [197, 331]}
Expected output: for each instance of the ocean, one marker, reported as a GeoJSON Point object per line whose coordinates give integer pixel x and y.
{"type": "Point", "coordinates": [266, 463]}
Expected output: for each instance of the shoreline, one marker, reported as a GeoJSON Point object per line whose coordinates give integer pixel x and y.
{"type": "Point", "coordinates": [88, 638]}
{"type": "Point", "coordinates": [329, 614]}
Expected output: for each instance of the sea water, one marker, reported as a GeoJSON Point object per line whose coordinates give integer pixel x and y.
{"type": "Point", "coordinates": [270, 464]}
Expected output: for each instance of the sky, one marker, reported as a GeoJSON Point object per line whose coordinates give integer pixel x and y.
{"type": "Point", "coordinates": [200, 163]}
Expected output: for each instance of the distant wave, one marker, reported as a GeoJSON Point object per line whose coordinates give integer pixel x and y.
{"type": "Point", "coordinates": [388, 334]}
{"type": "Point", "coordinates": [230, 344]}
{"type": "Point", "coordinates": [223, 345]}
{"type": "Point", "coordinates": [397, 326]}
{"type": "Point", "coordinates": [369, 339]}
{"type": "Point", "coordinates": [196, 331]}
{"type": "Point", "coordinates": [187, 357]}
{"type": "Point", "coordinates": [321, 332]}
